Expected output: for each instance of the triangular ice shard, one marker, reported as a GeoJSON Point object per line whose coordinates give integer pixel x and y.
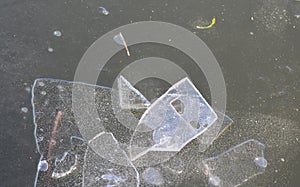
{"type": "Point", "coordinates": [177, 117]}
{"type": "Point", "coordinates": [130, 98]}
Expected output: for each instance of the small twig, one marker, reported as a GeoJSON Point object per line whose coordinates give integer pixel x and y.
{"type": "Point", "coordinates": [124, 42]}
{"type": "Point", "coordinates": [52, 141]}
{"type": "Point", "coordinates": [53, 133]}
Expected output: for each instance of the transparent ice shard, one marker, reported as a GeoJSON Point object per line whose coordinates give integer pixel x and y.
{"type": "Point", "coordinates": [177, 117]}
{"type": "Point", "coordinates": [236, 165]}
{"type": "Point", "coordinates": [214, 131]}
{"type": "Point", "coordinates": [129, 97]}
{"type": "Point", "coordinates": [106, 164]}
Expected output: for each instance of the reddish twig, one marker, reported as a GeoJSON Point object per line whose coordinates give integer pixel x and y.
{"type": "Point", "coordinates": [52, 141]}
{"type": "Point", "coordinates": [53, 133]}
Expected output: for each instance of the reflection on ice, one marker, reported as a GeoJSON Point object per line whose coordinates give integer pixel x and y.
{"type": "Point", "coordinates": [236, 165]}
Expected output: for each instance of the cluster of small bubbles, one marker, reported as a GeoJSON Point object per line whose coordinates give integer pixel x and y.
{"type": "Point", "coordinates": [57, 33]}
{"type": "Point", "coordinates": [43, 92]}
{"type": "Point", "coordinates": [24, 109]}
{"type": "Point", "coordinates": [261, 162]}
{"type": "Point", "coordinates": [214, 180]}
{"type": "Point", "coordinates": [43, 165]}
{"type": "Point", "coordinates": [50, 49]}
{"type": "Point", "coordinates": [103, 10]}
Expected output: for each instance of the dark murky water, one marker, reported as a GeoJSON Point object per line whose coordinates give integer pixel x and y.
{"type": "Point", "coordinates": [255, 42]}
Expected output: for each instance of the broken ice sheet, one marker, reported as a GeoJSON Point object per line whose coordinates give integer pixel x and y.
{"type": "Point", "coordinates": [236, 165]}
{"type": "Point", "coordinates": [172, 121]}
{"type": "Point", "coordinates": [106, 164]}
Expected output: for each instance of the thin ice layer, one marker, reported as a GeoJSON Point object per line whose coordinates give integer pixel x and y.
{"type": "Point", "coordinates": [236, 165]}
{"type": "Point", "coordinates": [173, 120]}
{"type": "Point", "coordinates": [129, 97]}
{"type": "Point", "coordinates": [106, 164]}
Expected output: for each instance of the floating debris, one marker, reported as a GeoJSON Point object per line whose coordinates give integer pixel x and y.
{"type": "Point", "coordinates": [57, 33]}
{"type": "Point", "coordinates": [297, 15]}
{"type": "Point", "coordinates": [24, 109]}
{"type": "Point", "coordinates": [213, 21]}
{"type": "Point", "coordinates": [104, 11]}
{"type": "Point", "coordinates": [119, 39]}
{"type": "Point", "coordinates": [251, 33]}
{"type": "Point", "coordinates": [50, 49]}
